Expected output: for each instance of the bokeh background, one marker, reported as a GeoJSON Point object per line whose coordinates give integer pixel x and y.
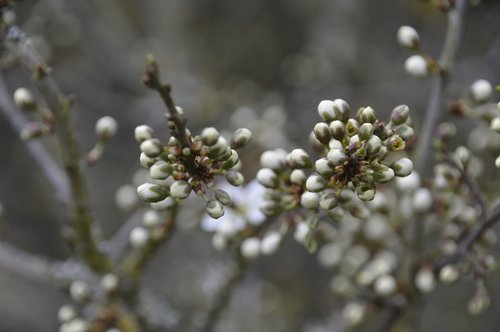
{"type": "Point", "coordinates": [262, 64]}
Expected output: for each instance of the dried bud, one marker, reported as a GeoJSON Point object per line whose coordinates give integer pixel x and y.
{"type": "Point", "coordinates": [395, 143]}
{"type": "Point", "coordinates": [240, 138]}
{"type": "Point", "coordinates": [408, 37]}
{"type": "Point", "coordinates": [24, 99]}
{"type": "Point", "coordinates": [315, 183]}
{"type": "Point", "coordinates": [299, 159]}
{"type": "Point", "coordinates": [322, 132]}
{"type": "Point", "coordinates": [337, 129]}
{"type": "Point", "coordinates": [215, 209]}
{"type": "Point", "coordinates": [400, 114]}
{"type": "Point", "coordinates": [160, 170]}
{"type": "Point", "coordinates": [143, 132]}
{"type": "Point", "coordinates": [417, 66]}
{"type": "Point", "coordinates": [267, 178]}
{"type": "Point", "coordinates": [150, 192]}
{"type": "Point", "coordinates": [106, 127]}
{"type": "Point", "coordinates": [481, 91]}
{"type": "Point", "coordinates": [151, 147]}
{"type": "Point", "coordinates": [250, 248]}
{"type": "Point", "coordinates": [209, 136]}
{"type": "Point", "coordinates": [402, 167]}
{"type": "Point", "coordinates": [138, 237]}
{"type": "Point", "coordinates": [180, 189]}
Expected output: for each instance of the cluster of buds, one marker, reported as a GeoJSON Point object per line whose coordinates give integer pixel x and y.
{"type": "Point", "coordinates": [177, 171]}
{"type": "Point", "coordinates": [26, 101]}
{"type": "Point", "coordinates": [418, 65]}
{"type": "Point", "coordinates": [353, 156]}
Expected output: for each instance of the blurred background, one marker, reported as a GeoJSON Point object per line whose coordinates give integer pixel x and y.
{"type": "Point", "coordinates": [260, 64]}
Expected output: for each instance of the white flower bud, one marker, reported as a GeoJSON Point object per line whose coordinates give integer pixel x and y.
{"type": "Point", "coordinates": [335, 144]}
{"type": "Point", "coordinates": [139, 237]}
{"type": "Point", "coordinates": [106, 127]}
{"type": "Point", "coordinates": [180, 189]}
{"type": "Point", "coordinates": [302, 231]}
{"type": "Point", "coordinates": [495, 124]}
{"type": "Point", "coordinates": [417, 66]}
{"type": "Point", "coordinates": [151, 219]}
{"type": "Point", "coordinates": [66, 313]}
{"type": "Point", "coordinates": [151, 147]}
{"type": "Point", "coordinates": [400, 114]}
{"type": "Point", "coordinates": [164, 204]}
{"type": "Point", "coordinates": [315, 183]}
{"type": "Point", "coordinates": [373, 145]}
{"type": "Point", "coordinates": [145, 161]}
{"type": "Point", "coordinates": [215, 209]}
{"type": "Point", "coordinates": [365, 131]}
{"type": "Point", "coordinates": [322, 132]}
{"type": "Point", "coordinates": [449, 274]}
{"type": "Point", "coordinates": [126, 197]}
{"type": "Point", "coordinates": [77, 325]}
{"type": "Point", "coordinates": [323, 167]}
{"type": "Point", "coordinates": [209, 136]}
{"type": "Point", "coordinates": [79, 291]}
{"type": "Point", "coordinates": [385, 285]}
{"type": "Point", "coordinates": [354, 313]}
{"type": "Point", "coordinates": [298, 177]}
{"type": "Point", "coordinates": [422, 200]}
{"type": "Point", "coordinates": [330, 254]}
{"type": "Point", "coordinates": [273, 159]}
{"type": "Point", "coordinates": [425, 281]}
{"type": "Point", "coordinates": [336, 157]}
{"type": "Point", "coordinates": [341, 109]}
{"type": "Point", "coordinates": [160, 170]}
{"type": "Point", "coordinates": [408, 183]}
{"type": "Point", "coordinates": [408, 37]}
{"type": "Point", "coordinates": [267, 178]}
{"type": "Point", "coordinates": [235, 178]}
{"type": "Point", "coordinates": [223, 196]}
{"type": "Point", "coordinates": [110, 282]}
{"type": "Point", "coordinates": [143, 133]}
{"type": "Point", "coordinates": [219, 241]}
{"type": "Point", "coordinates": [24, 99]}
{"type": "Point", "coordinates": [240, 138]}
{"type": "Point", "coordinates": [325, 110]}
{"type": "Point", "coordinates": [497, 162]}
{"type": "Point", "coordinates": [309, 200]}
{"type": "Point", "coordinates": [151, 193]}
{"type": "Point", "coordinates": [481, 91]}
{"type": "Point", "coordinates": [385, 176]}
{"type": "Point", "coordinates": [402, 167]}
{"type": "Point", "coordinates": [270, 243]}
{"type": "Point", "coordinates": [299, 159]}
{"type": "Point", "coordinates": [367, 115]}
{"type": "Point", "coordinates": [337, 129]}
{"type": "Point", "coordinates": [250, 248]}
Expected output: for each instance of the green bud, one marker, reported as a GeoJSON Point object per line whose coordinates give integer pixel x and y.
{"type": "Point", "coordinates": [231, 161]}
{"type": "Point", "coordinates": [365, 131]}
{"type": "Point", "coordinates": [223, 197]}
{"type": "Point", "coordinates": [365, 192]}
{"type": "Point", "coordinates": [406, 132]}
{"type": "Point", "coordinates": [324, 167]}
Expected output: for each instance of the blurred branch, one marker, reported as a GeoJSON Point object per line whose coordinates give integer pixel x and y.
{"type": "Point", "coordinates": [221, 300]}
{"type": "Point", "coordinates": [435, 104]}
{"type": "Point", "coordinates": [50, 168]}
{"type": "Point", "coordinates": [60, 105]}
{"type": "Point", "coordinates": [120, 240]}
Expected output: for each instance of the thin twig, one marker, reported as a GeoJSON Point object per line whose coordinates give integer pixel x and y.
{"type": "Point", "coordinates": [60, 105]}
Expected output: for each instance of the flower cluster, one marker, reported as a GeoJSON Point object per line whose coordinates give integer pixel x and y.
{"type": "Point", "coordinates": [177, 171]}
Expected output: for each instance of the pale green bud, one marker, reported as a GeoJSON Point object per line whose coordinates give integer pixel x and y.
{"type": "Point", "coordinates": [481, 91]}
{"type": "Point", "coordinates": [417, 66]}
{"type": "Point", "coordinates": [449, 274]}
{"type": "Point", "coordinates": [139, 237]}
{"type": "Point", "coordinates": [235, 178]}
{"type": "Point", "coordinates": [386, 175]}
{"type": "Point", "coordinates": [150, 192]}
{"type": "Point", "coordinates": [267, 178]}
{"type": "Point", "coordinates": [402, 167]}
{"type": "Point", "coordinates": [143, 132]}
{"type": "Point", "coordinates": [328, 200]}
{"type": "Point", "coordinates": [366, 115]}
{"type": "Point", "coordinates": [408, 37]}
{"type": "Point", "coordinates": [335, 144]}
{"type": "Point", "coordinates": [180, 189]}
{"type": "Point", "coordinates": [273, 159]}
{"type": "Point", "coordinates": [151, 219]}
{"type": "Point", "coordinates": [106, 127]}
{"type": "Point", "coordinates": [160, 170]}
{"type": "Point", "coordinates": [215, 209]}
{"type": "Point", "coordinates": [352, 127]}
{"type": "Point", "coordinates": [219, 147]}
{"type": "Point", "coordinates": [365, 192]}
{"type": "Point", "coordinates": [337, 129]}
{"type": "Point", "coordinates": [24, 99]}
{"type": "Point", "coordinates": [231, 161]}
{"type": "Point", "coordinates": [400, 114]}
{"type": "Point", "coordinates": [495, 124]}
{"type": "Point", "coordinates": [145, 161]}
{"type": "Point", "coordinates": [322, 132]}
{"type": "Point", "coordinates": [209, 136]}
{"type": "Point", "coordinates": [406, 132]}
{"type": "Point", "coordinates": [223, 197]}
{"type": "Point", "coordinates": [342, 109]}
{"type": "Point", "coordinates": [151, 147]}
{"type": "Point", "coordinates": [240, 138]}
{"type": "Point", "coordinates": [325, 110]}
{"type": "Point", "coordinates": [373, 145]}
{"type": "Point", "coordinates": [365, 131]}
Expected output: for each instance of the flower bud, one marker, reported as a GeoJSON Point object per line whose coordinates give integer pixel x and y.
{"type": "Point", "coordinates": [267, 178]}
{"type": "Point", "coordinates": [299, 159]}
{"type": "Point", "coordinates": [145, 161]}
{"type": "Point", "coordinates": [160, 170]}
{"type": "Point", "coordinates": [367, 115]}
{"type": "Point", "coordinates": [302, 231]}
{"type": "Point", "coordinates": [325, 110]}
{"type": "Point", "coordinates": [385, 285]}
{"type": "Point", "coordinates": [298, 177]}
{"type": "Point", "coordinates": [209, 136]}
{"type": "Point", "coordinates": [365, 192]}
{"type": "Point", "coordinates": [273, 159]}
{"type": "Point", "coordinates": [34, 129]}
{"type": "Point", "coordinates": [365, 131]}
{"type": "Point", "coordinates": [373, 145]}
{"type": "Point", "coordinates": [240, 138]}
{"type": "Point", "coordinates": [79, 291]}
{"type": "Point", "coordinates": [219, 147]}
{"type": "Point", "coordinates": [406, 132]}
{"type": "Point", "coordinates": [151, 147]}
{"type": "Point", "coordinates": [322, 132]}
{"type": "Point", "coordinates": [417, 66]}
{"type": "Point", "coordinates": [336, 157]}
{"type": "Point", "coordinates": [76, 325]}
{"type": "Point", "coordinates": [180, 189]}
{"type": "Point", "coordinates": [480, 301]}
{"type": "Point", "coordinates": [495, 124]}
{"type": "Point", "coordinates": [223, 197]}
{"type": "Point", "coordinates": [323, 167]}
{"type": "Point", "coordinates": [315, 183]}
{"type": "Point", "coordinates": [384, 175]}
{"type": "Point", "coordinates": [400, 114]}
{"type": "Point", "coordinates": [337, 129]}
{"type": "Point", "coordinates": [139, 237]}
{"type": "Point", "coordinates": [422, 200]}
{"type": "Point", "coordinates": [24, 99]}
{"type": "Point", "coordinates": [481, 91]}
{"type": "Point", "coordinates": [408, 37]}
{"type": "Point", "coordinates": [309, 200]}
{"type": "Point", "coordinates": [150, 192]}
{"type": "Point", "coordinates": [126, 197]}
{"type": "Point", "coordinates": [250, 248]}
{"type": "Point", "coordinates": [215, 209]}
{"type": "Point", "coordinates": [425, 281]}
{"type": "Point", "coordinates": [449, 274]}
{"type": "Point", "coordinates": [352, 127]}
{"type": "Point", "coordinates": [335, 144]}
{"type": "Point", "coordinates": [151, 219]}
{"type": "Point", "coordinates": [328, 200]}
{"type": "Point", "coordinates": [342, 109]}
{"type": "Point", "coordinates": [232, 161]}
{"type": "Point", "coordinates": [143, 132]}
{"type": "Point", "coordinates": [109, 283]}
{"type": "Point", "coordinates": [66, 313]}
{"type": "Point", "coordinates": [235, 178]}
{"type": "Point", "coordinates": [395, 143]}
{"type": "Point", "coordinates": [497, 162]}
{"type": "Point", "coordinates": [402, 167]}
{"type": "Point", "coordinates": [106, 127]}
{"type": "Point", "coordinates": [270, 243]}
{"type": "Point", "coordinates": [162, 205]}
{"type": "Point", "coordinates": [354, 313]}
